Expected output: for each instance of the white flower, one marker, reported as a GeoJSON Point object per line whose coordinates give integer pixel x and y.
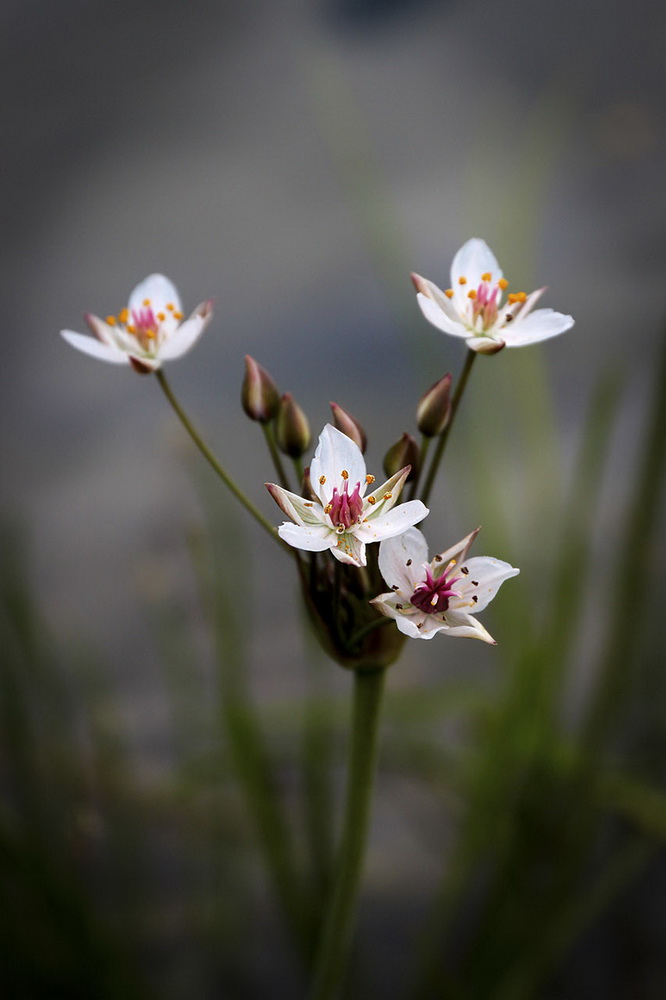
{"type": "Point", "coordinates": [147, 332]}
{"type": "Point", "coordinates": [472, 307]}
{"type": "Point", "coordinates": [438, 596]}
{"type": "Point", "coordinates": [338, 519]}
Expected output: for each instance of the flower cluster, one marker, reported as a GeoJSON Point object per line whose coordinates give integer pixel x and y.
{"type": "Point", "coordinates": [342, 511]}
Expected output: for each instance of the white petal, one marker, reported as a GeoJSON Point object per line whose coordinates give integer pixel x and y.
{"type": "Point", "coordinates": [184, 337]}
{"type": "Point", "coordinates": [105, 352]}
{"type": "Point", "coordinates": [472, 260]}
{"type": "Point", "coordinates": [436, 315]}
{"type": "Point", "coordinates": [349, 549]}
{"type": "Point", "coordinates": [483, 579]}
{"type": "Point", "coordinates": [303, 512]}
{"type": "Point", "coordinates": [467, 627]}
{"type": "Point", "coordinates": [393, 522]}
{"type": "Point", "coordinates": [486, 345]}
{"type": "Point", "coordinates": [335, 453]}
{"type": "Point", "coordinates": [539, 325]}
{"type": "Point", "coordinates": [386, 495]}
{"type": "Point", "coordinates": [159, 290]}
{"type": "Point", "coordinates": [315, 539]}
{"type": "Point", "coordinates": [410, 626]}
{"type": "Point", "coordinates": [394, 555]}
{"type": "Point", "coordinates": [457, 552]}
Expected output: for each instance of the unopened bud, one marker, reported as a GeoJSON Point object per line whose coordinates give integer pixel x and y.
{"type": "Point", "coordinates": [259, 394]}
{"type": "Point", "coordinates": [434, 409]}
{"type": "Point", "coordinates": [292, 430]}
{"type": "Point", "coordinates": [404, 452]}
{"type": "Point", "coordinates": [350, 426]}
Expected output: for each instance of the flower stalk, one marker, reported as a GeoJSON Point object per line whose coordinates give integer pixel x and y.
{"type": "Point", "coordinates": [211, 459]}
{"type": "Point", "coordinates": [444, 436]}
{"type": "Point", "coordinates": [333, 952]}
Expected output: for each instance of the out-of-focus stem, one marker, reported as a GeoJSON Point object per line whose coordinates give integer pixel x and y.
{"type": "Point", "coordinates": [275, 455]}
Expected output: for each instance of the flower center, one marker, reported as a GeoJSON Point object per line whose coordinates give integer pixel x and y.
{"type": "Point", "coordinates": [432, 595]}
{"type": "Point", "coordinates": [482, 310]}
{"type": "Point", "coordinates": [144, 323]}
{"type": "Point", "coordinates": [343, 509]}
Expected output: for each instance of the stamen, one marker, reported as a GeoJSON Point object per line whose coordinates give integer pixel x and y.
{"type": "Point", "coordinates": [474, 598]}
{"type": "Point", "coordinates": [150, 334]}
{"type": "Point", "coordinates": [111, 320]}
{"type": "Point", "coordinates": [471, 294]}
{"type": "Point", "coordinates": [146, 302]}
{"type": "Point", "coordinates": [177, 315]}
{"type": "Point", "coordinates": [328, 508]}
{"type": "Point", "coordinates": [344, 474]}
{"type": "Point", "coordinates": [161, 317]}
{"type": "Point", "coordinates": [438, 558]}
{"type": "Point", "coordinates": [398, 607]}
{"type": "Point", "coordinates": [449, 293]}
{"type": "Point", "coordinates": [369, 479]}
{"type": "Point", "coordinates": [486, 277]}
{"type": "Point", "coordinates": [462, 281]}
{"type": "Point", "coordinates": [503, 283]}
{"type": "Point", "coordinates": [322, 480]}
{"type": "Point", "coordinates": [123, 315]}
{"type": "Point", "coordinates": [387, 496]}
{"type": "Point", "coordinates": [306, 504]}
{"type": "Point", "coordinates": [475, 582]}
{"type": "Point", "coordinates": [340, 529]}
{"type": "Point", "coordinates": [372, 500]}
{"type": "Point", "coordinates": [464, 569]}
{"type": "Point", "coordinates": [408, 563]}
{"type": "Point", "coordinates": [170, 306]}
{"type": "Point", "coordinates": [131, 328]}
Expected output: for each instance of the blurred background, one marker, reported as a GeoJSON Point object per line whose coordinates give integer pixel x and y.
{"type": "Point", "coordinates": [296, 161]}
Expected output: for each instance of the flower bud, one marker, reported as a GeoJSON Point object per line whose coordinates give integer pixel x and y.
{"type": "Point", "coordinates": [404, 452]}
{"type": "Point", "coordinates": [292, 430]}
{"type": "Point", "coordinates": [259, 394]}
{"type": "Point", "coordinates": [434, 409]}
{"type": "Point", "coordinates": [350, 426]}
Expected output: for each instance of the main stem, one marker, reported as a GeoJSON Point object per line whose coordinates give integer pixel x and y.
{"type": "Point", "coordinates": [331, 959]}
{"type": "Point", "coordinates": [210, 457]}
{"type": "Point", "coordinates": [444, 436]}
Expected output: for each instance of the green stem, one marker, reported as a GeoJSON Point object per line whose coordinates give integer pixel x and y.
{"type": "Point", "coordinates": [331, 959]}
{"type": "Point", "coordinates": [425, 444]}
{"type": "Point", "coordinates": [275, 455]}
{"type": "Point", "coordinates": [211, 459]}
{"type": "Point", "coordinates": [444, 436]}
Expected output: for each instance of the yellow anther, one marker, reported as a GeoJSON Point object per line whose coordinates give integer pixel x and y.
{"type": "Point", "coordinates": [111, 320]}
{"type": "Point", "coordinates": [328, 508]}
{"type": "Point", "coordinates": [503, 283]}
{"type": "Point", "coordinates": [146, 302]}
{"type": "Point", "coordinates": [521, 296]}
{"type": "Point", "coordinates": [177, 315]}
{"type": "Point", "coordinates": [449, 293]}
{"type": "Point", "coordinates": [170, 306]}
{"type": "Point", "coordinates": [322, 480]}
{"type": "Point", "coordinates": [344, 474]}
{"type": "Point", "coordinates": [123, 315]}
{"type": "Point", "coordinates": [387, 496]}
{"type": "Point", "coordinates": [471, 294]}
{"type": "Point", "coordinates": [462, 281]}
{"type": "Point", "coordinates": [369, 479]}
{"type": "Point", "coordinates": [340, 529]}
{"type": "Point", "coordinates": [161, 317]}
{"type": "Point", "coordinates": [306, 504]}
{"type": "Point", "coordinates": [150, 334]}
{"type": "Point", "coordinates": [511, 298]}
{"type": "Point", "coordinates": [486, 277]}
{"type": "Point", "coordinates": [131, 328]}
{"type": "Point", "coordinates": [372, 500]}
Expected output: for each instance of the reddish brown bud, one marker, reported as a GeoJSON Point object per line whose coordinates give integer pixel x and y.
{"type": "Point", "coordinates": [259, 394]}
{"type": "Point", "coordinates": [350, 426]}
{"type": "Point", "coordinates": [404, 452]}
{"type": "Point", "coordinates": [434, 409]}
{"type": "Point", "coordinates": [292, 430]}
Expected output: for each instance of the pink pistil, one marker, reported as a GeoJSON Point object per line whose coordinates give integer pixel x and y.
{"type": "Point", "coordinates": [432, 596]}
{"type": "Point", "coordinates": [345, 509]}
{"type": "Point", "coordinates": [144, 319]}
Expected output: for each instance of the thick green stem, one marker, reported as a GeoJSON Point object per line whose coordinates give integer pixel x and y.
{"type": "Point", "coordinates": [444, 436]}
{"type": "Point", "coordinates": [211, 459]}
{"type": "Point", "coordinates": [331, 959]}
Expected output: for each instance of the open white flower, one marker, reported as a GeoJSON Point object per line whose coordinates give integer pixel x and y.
{"type": "Point", "coordinates": [147, 332]}
{"type": "Point", "coordinates": [338, 519]}
{"type": "Point", "coordinates": [438, 596]}
{"type": "Point", "coordinates": [473, 306]}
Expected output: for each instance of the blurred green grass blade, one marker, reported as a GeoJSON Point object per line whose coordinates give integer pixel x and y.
{"type": "Point", "coordinates": [630, 596]}
{"type": "Point", "coordinates": [221, 563]}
